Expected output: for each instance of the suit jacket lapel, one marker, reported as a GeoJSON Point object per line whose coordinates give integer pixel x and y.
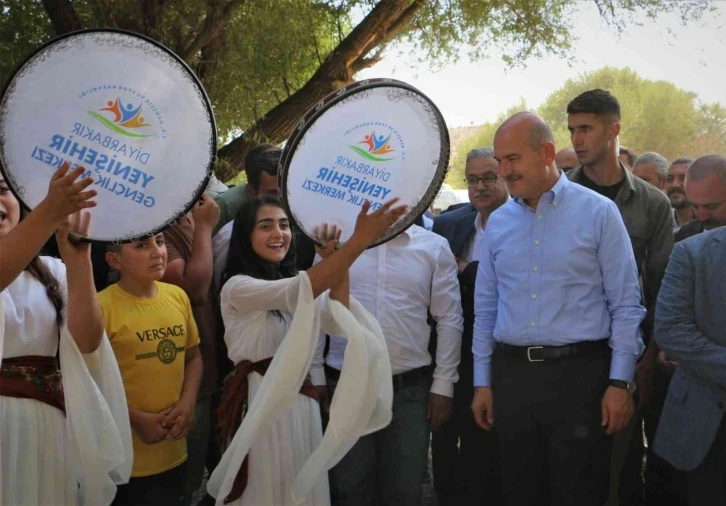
{"type": "Point", "coordinates": [464, 229]}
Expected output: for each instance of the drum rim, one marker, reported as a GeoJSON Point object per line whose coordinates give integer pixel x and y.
{"type": "Point", "coordinates": [331, 100]}
{"type": "Point", "coordinates": [205, 100]}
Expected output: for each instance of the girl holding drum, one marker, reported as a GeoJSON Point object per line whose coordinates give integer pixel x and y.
{"type": "Point", "coordinates": [64, 429]}
{"type": "Point", "coordinates": [269, 309]}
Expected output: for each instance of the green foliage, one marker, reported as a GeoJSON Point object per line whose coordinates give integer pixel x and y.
{"type": "Point", "coordinates": [483, 138]}
{"type": "Point", "coordinates": [656, 115]}
{"type": "Point", "coordinates": [23, 27]}
{"type": "Point", "coordinates": [269, 49]}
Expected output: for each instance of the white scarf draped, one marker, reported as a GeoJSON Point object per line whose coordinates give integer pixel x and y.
{"type": "Point", "coordinates": [363, 397]}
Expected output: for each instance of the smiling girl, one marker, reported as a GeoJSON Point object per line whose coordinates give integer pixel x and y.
{"type": "Point", "coordinates": [269, 310]}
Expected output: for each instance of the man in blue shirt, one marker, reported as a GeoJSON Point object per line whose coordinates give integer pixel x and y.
{"type": "Point", "coordinates": [556, 332]}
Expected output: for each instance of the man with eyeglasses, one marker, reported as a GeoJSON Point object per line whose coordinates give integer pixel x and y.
{"type": "Point", "coordinates": [464, 456]}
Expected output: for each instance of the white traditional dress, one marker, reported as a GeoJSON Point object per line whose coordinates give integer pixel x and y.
{"type": "Point", "coordinates": [288, 456]}
{"type": "Point", "coordinates": [46, 457]}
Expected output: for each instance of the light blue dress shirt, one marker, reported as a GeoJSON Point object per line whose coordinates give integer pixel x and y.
{"type": "Point", "coordinates": [561, 274]}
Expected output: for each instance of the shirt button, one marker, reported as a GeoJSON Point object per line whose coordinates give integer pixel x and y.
{"type": "Point", "coordinates": [532, 324]}
{"type": "Point", "coordinates": [536, 242]}
{"type": "Point", "coordinates": [534, 295]}
{"type": "Point", "coordinates": [539, 216]}
{"type": "Point", "coordinates": [555, 204]}
{"type": "Point", "coordinates": [535, 268]}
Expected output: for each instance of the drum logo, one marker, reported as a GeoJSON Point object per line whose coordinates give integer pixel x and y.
{"type": "Point", "coordinates": [123, 119]}
{"type": "Point", "coordinates": [376, 147]}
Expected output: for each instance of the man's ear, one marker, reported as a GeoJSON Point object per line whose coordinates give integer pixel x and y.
{"type": "Point", "coordinates": [614, 129]}
{"type": "Point", "coordinates": [549, 153]}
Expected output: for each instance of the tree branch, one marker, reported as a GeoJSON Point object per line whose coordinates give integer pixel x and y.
{"type": "Point", "coordinates": [63, 16]}
{"type": "Point", "coordinates": [106, 12]}
{"type": "Point", "coordinates": [209, 61]}
{"type": "Point", "coordinates": [212, 25]}
{"type": "Point", "coordinates": [386, 20]}
{"type": "Point", "coordinates": [151, 11]}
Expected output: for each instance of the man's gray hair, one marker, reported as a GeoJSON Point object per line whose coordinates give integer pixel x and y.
{"type": "Point", "coordinates": [683, 160]}
{"type": "Point", "coordinates": [658, 161]}
{"type": "Point", "coordinates": [479, 153]}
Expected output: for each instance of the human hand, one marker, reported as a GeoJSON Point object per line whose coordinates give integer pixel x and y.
{"type": "Point", "coordinates": [66, 195]}
{"type": "Point", "coordinates": [461, 264]}
{"type": "Point", "coordinates": [71, 250]}
{"type": "Point", "coordinates": [438, 410]}
{"type": "Point", "coordinates": [369, 227]}
{"type": "Point", "coordinates": [178, 418]}
{"type": "Point", "coordinates": [666, 365]}
{"type": "Point", "coordinates": [205, 212]}
{"type": "Point", "coordinates": [326, 239]}
{"type": "Point", "coordinates": [617, 407]}
{"type": "Point", "coordinates": [483, 407]}
{"type": "Point", "coordinates": [149, 427]}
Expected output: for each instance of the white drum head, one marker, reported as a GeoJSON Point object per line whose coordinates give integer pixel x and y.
{"type": "Point", "coordinates": [125, 108]}
{"type": "Point", "coordinates": [375, 140]}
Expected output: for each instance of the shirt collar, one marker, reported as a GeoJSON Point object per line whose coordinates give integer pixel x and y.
{"type": "Point", "coordinates": [477, 219]}
{"type": "Point", "coordinates": [555, 195]}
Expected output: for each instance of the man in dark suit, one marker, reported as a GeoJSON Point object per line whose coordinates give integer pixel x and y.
{"type": "Point", "coordinates": [464, 455]}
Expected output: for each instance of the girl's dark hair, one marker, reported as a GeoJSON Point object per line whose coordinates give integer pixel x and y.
{"type": "Point", "coordinates": [242, 259]}
{"type": "Point", "coordinates": [40, 271]}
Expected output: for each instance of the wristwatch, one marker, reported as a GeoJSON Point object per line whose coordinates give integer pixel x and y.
{"type": "Point", "coordinates": [629, 386]}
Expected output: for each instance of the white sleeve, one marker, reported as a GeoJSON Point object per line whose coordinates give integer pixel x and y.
{"type": "Point", "coordinates": [220, 249]}
{"type": "Point", "coordinates": [446, 310]}
{"type": "Point", "coordinates": [250, 294]}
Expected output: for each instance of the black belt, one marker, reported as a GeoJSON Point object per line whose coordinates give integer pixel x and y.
{"type": "Point", "coordinates": [400, 381]}
{"type": "Point", "coordinates": [544, 353]}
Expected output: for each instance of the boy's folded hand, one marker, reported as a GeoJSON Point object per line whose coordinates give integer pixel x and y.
{"type": "Point", "coordinates": [149, 427]}
{"type": "Point", "coordinates": [178, 418]}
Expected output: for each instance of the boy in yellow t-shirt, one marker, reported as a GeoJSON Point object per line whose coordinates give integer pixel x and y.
{"type": "Point", "coordinates": [154, 337]}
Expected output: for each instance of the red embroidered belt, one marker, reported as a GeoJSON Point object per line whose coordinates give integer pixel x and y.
{"type": "Point", "coordinates": [33, 377]}
{"type": "Point", "coordinates": [233, 407]}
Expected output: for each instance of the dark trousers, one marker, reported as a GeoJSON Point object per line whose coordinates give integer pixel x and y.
{"type": "Point", "coordinates": [631, 445]}
{"type": "Point", "coordinates": [707, 484]}
{"type": "Point", "coordinates": [387, 467]}
{"type": "Point", "coordinates": [167, 489]}
{"type": "Point", "coordinates": [465, 458]}
{"type": "Point", "coordinates": [661, 483]}
{"type": "Point", "coordinates": [664, 484]}
{"type": "Point", "coordinates": [552, 446]}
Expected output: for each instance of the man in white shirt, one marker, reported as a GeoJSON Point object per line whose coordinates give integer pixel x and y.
{"type": "Point", "coordinates": [401, 282]}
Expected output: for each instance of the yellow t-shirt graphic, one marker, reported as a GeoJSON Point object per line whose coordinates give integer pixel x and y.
{"type": "Point", "coordinates": [150, 338]}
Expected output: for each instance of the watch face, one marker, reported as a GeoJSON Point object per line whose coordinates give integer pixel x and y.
{"type": "Point", "coordinates": [630, 387]}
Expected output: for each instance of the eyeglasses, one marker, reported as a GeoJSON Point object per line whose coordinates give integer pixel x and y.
{"type": "Point", "coordinates": [488, 180]}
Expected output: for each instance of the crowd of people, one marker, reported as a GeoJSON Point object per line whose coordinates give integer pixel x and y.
{"type": "Point", "coordinates": [543, 341]}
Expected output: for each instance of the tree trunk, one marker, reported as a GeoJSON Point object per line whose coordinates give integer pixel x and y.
{"type": "Point", "coordinates": [384, 21]}
{"type": "Point", "coordinates": [63, 16]}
